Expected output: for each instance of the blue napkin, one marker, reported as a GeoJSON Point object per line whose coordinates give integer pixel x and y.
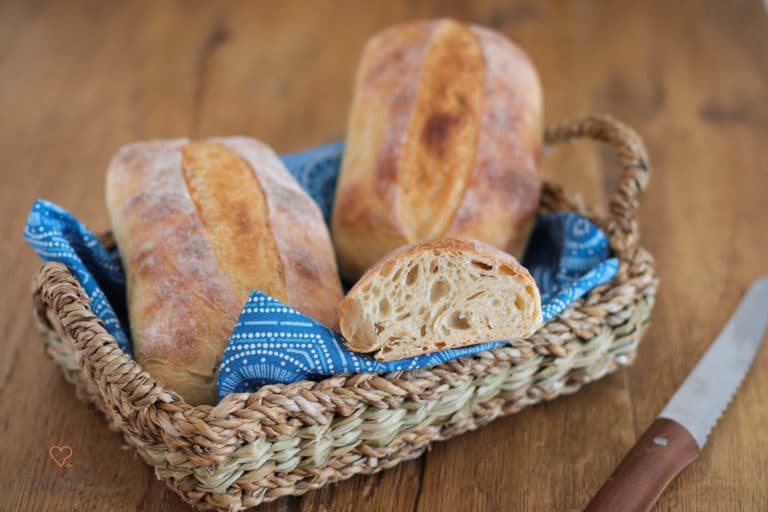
{"type": "Point", "coordinates": [273, 343]}
{"type": "Point", "coordinates": [56, 235]}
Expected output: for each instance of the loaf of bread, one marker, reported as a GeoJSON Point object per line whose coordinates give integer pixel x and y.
{"type": "Point", "coordinates": [439, 295]}
{"type": "Point", "coordinates": [443, 141]}
{"type": "Point", "coordinates": [198, 226]}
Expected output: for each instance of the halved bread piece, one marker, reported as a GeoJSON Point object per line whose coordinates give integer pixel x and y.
{"type": "Point", "coordinates": [439, 295]}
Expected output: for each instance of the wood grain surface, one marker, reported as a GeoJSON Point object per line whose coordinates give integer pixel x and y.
{"type": "Point", "coordinates": [79, 79]}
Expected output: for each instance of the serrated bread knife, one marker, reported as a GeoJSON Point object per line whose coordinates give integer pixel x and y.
{"type": "Point", "coordinates": [678, 434]}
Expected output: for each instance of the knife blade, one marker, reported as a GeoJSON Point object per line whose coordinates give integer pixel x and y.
{"type": "Point", "coordinates": [678, 434]}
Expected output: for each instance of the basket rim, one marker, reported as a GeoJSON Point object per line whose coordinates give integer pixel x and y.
{"type": "Point", "coordinates": [58, 289]}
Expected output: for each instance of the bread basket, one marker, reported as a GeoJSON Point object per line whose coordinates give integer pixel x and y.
{"type": "Point", "coordinates": [287, 439]}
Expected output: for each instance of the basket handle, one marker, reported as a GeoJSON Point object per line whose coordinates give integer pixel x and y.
{"type": "Point", "coordinates": [622, 227]}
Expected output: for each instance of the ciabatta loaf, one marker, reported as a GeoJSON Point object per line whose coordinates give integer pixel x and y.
{"type": "Point", "coordinates": [443, 141]}
{"type": "Point", "coordinates": [198, 226]}
{"type": "Point", "coordinates": [439, 295]}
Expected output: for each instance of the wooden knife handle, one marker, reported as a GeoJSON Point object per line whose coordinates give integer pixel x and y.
{"type": "Point", "coordinates": [661, 453]}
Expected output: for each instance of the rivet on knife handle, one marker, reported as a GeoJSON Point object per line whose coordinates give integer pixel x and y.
{"type": "Point", "coordinates": [663, 451]}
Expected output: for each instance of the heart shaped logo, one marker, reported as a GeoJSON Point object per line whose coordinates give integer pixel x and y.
{"type": "Point", "coordinates": [60, 454]}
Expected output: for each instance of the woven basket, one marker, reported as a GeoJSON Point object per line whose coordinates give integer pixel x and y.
{"type": "Point", "coordinates": [288, 439]}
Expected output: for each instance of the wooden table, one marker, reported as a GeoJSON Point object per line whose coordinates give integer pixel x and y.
{"type": "Point", "coordinates": [78, 80]}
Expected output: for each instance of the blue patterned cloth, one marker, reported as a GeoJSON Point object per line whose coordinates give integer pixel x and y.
{"type": "Point", "coordinates": [271, 342]}
{"type": "Point", "coordinates": [56, 235]}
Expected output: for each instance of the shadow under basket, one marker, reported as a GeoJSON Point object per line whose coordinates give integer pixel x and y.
{"type": "Point", "coordinates": [287, 439]}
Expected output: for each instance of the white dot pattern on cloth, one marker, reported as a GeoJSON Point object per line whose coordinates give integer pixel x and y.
{"type": "Point", "coordinates": [271, 342]}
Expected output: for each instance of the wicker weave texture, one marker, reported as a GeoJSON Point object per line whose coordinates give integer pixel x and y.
{"type": "Point", "coordinates": [288, 439]}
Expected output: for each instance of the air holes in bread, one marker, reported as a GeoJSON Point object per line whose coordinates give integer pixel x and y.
{"type": "Point", "coordinates": [439, 290]}
{"type": "Point", "coordinates": [386, 269]}
{"type": "Point", "coordinates": [482, 265]}
{"type": "Point", "coordinates": [384, 307]}
{"type": "Point", "coordinates": [458, 321]}
{"type": "Point", "coordinates": [412, 275]}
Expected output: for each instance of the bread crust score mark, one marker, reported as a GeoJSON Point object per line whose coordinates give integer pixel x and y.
{"type": "Point", "coordinates": [441, 137]}
{"type": "Point", "coordinates": [237, 225]}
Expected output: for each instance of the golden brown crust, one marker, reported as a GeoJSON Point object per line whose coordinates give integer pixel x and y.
{"type": "Point", "coordinates": [410, 176]}
{"type": "Point", "coordinates": [441, 137]}
{"type": "Point", "coordinates": [235, 219]}
{"type": "Point", "coordinates": [199, 225]}
{"type": "Point", "coordinates": [312, 281]}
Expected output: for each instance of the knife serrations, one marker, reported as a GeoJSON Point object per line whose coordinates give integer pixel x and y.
{"type": "Point", "coordinates": [706, 392]}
